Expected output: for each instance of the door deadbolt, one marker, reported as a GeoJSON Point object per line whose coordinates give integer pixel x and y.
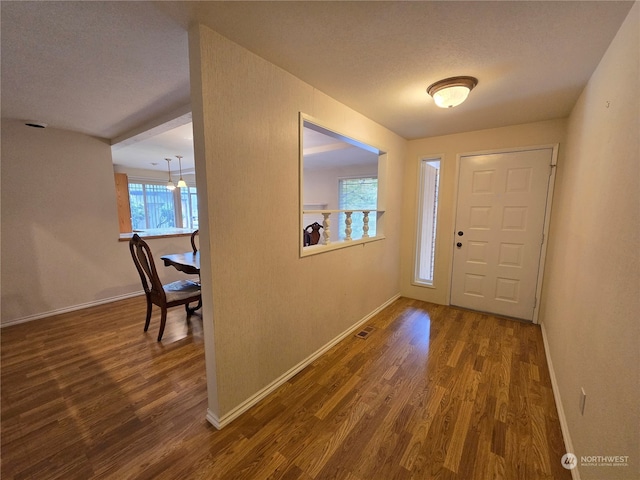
{"type": "Point", "coordinates": [460, 233]}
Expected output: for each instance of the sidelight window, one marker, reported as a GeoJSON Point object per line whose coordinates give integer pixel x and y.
{"type": "Point", "coordinates": [429, 181]}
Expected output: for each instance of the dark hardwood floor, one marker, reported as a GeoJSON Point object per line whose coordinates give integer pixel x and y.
{"type": "Point", "coordinates": [433, 393]}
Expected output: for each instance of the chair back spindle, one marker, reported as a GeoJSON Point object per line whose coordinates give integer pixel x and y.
{"type": "Point", "coordinates": [143, 260]}
{"type": "Point", "coordinates": [193, 240]}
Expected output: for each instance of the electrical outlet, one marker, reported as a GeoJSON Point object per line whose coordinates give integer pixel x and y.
{"type": "Point", "coordinates": [583, 400]}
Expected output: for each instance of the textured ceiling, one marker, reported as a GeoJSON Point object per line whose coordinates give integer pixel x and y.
{"type": "Point", "coordinates": [532, 59]}
{"type": "Point", "coordinates": [100, 68]}
{"type": "Point", "coordinates": [105, 68]}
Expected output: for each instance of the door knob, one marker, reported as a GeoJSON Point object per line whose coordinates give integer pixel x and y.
{"type": "Point", "coordinates": [458, 244]}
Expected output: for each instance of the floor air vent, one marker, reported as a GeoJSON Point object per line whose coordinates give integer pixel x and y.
{"type": "Point", "coordinates": [364, 333]}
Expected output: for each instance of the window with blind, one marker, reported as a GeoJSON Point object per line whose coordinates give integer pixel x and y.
{"type": "Point", "coordinates": [429, 180]}
{"type": "Point", "coordinates": [357, 194]}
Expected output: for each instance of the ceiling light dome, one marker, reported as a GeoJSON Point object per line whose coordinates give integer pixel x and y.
{"type": "Point", "coordinates": [451, 92]}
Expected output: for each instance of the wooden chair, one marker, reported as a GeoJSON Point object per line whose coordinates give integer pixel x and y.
{"type": "Point", "coordinates": [193, 240]}
{"type": "Point", "coordinates": [311, 237]}
{"type": "Point", "coordinates": [182, 292]}
{"type": "Point", "coordinates": [195, 250]}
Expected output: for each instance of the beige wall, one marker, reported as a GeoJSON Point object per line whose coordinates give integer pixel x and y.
{"type": "Point", "coordinates": [590, 304]}
{"type": "Point", "coordinates": [449, 147]}
{"type": "Point", "coordinates": [60, 247]}
{"type": "Point", "coordinates": [269, 308]}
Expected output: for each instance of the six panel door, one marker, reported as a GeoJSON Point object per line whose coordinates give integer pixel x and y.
{"type": "Point", "coordinates": [499, 231]}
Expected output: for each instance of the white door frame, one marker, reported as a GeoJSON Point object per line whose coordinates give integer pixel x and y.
{"type": "Point", "coordinates": [547, 213]}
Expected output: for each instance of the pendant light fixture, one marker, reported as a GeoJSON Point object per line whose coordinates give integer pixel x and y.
{"type": "Point", "coordinates": [170, 184]}
{"type": "Point", "coordinates": [181, 182]}
{"type": "Point", "coordinates": [451, 92]}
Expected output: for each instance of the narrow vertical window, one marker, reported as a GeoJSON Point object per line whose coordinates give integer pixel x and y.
{"type": "Point", "coordinates": [429, 179]}
{"type": "Point", "coordinates": [189, 201]}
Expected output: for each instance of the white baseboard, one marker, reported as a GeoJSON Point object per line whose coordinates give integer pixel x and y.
{"type": "Point", "coordinates": [564, 427]}
{"type": "Point", "coordinates": [72, 308]}
{"type": "Point", "coordinates": [213, 419]}
{"type": "Point", "coordinates": [227, 418]}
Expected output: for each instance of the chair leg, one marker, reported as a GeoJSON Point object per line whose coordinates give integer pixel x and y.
{"type": "Point", "coordinates": [163, 320]}
{"type": "Point", "coordinates": [192, 310]}
{"type": "Point", "coordinates": [148, 319]}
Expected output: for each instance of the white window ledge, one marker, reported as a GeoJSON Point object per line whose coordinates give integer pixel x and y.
{"type": "Point", "coordinates": [316, 249]}
{"type": "Point", "coordinates": [158, 233]}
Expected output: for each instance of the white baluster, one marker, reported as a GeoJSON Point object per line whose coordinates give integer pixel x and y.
{"type": "Point", "coordinates": [365, 224]}
{"type": "Point", "coordinates": [325, 228]}
{"type": "Point", "coordinates": [347, 222]}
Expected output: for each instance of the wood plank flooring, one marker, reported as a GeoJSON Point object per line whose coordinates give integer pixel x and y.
{"type": "Point", "coordinates": [433, 393]}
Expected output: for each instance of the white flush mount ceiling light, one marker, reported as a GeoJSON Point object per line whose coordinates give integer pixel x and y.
{"type": "Point", "coordinates": [451, 92]}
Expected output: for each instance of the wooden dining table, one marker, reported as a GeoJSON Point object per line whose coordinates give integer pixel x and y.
{"type": "Point", "coordinates": [188, 262]}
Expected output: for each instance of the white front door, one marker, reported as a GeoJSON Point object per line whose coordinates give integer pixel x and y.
{"type": "Point", "coordinates": [499, 231]}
